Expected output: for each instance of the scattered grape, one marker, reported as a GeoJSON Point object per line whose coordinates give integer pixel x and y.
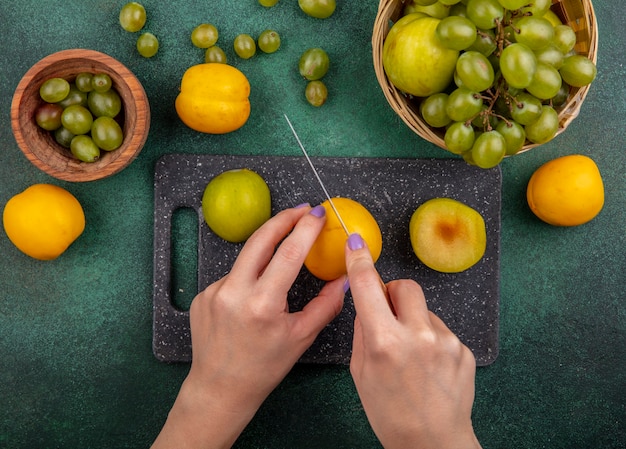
{"type": "Point", "coordinates": [320, 9]}
{"type": "Point", "coordinates": [244, 46]}
{"type": "Point", "coordinates": [268, 3]}
{"type": "Point", "coordinates": [215, 54]}
{"type": "Point", "coordinates": [269, 41]}
{"type": "Point", "coordinates": [204, 35]}
{"type": "Point", "coordinates": [132, 17]}
{"type": "Point", "coordinates": [316, 93]}
{"type": "Point", "coordinates": [314, 64]}
{"type": "Point", "coordinates": [147, 45]}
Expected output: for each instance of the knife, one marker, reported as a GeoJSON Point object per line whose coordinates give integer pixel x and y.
{"type": "Point", "coordinates": [306, 155]}
{"type": "Point", "coordinates": [332, 205]}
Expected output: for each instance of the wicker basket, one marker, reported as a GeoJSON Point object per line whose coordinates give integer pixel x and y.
{"type": "Point", "coordinates": [578, 14]}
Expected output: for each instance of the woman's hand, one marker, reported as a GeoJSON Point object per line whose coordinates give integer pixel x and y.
{"type": "Point", "coordinates": [413, 375]}
{"type": "Point", "coordinates": [244, 338]}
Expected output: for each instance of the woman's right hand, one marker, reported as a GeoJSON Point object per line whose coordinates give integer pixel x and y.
{"type": "Point", "coordinates": [414, 376]}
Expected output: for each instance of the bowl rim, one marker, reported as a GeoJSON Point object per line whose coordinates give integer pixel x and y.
{"type": "Point", "coordinates": [64, 166]}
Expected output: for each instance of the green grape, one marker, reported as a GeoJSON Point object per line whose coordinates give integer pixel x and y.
{"type": "Point", "coordinates": [204, 35]}
{"type": "Point", "coordinates": [463, 104]}
{"type": "Point", "coordinates": [48, 116]}
{"type": "Point", "coordinates": [458, 10]}
{"type": "Point", "coordinates": [509, 34]}
{"type": "Point", "coordinates": [459, 137]}
{"type": "Point", "coordinates": [83, 82]}
{"type": "Point", "coordinates": [537, 8]}
{"type": "Point", "coordinates": [215, 54]}
{"type": "Point", "coordinates": [132, 17]}
{"type": "Point", "coordinates": [74, 97]}
{"type": "Point", "coordinates": [437, 10]}
{"type": "Point", "coordinates": [433, 110]}
{"type": "Point", "coordinates": [63, 137]}
{"type": "Point", "coordinates": [316, 93]}
{"type": "Point", "coordinates": [526, 108]}
{"type": "Point", "coordinates": [147, 45]}
{"type": "Point", "coordinates": [320, 9]}
{"type": "Point", "coordinates": [518, 64]}
{"type": "Point", "coordinates": [77, 119]}
{"type": "Point", "coordinates": [489, 149]}
{"type": "Point", "coordinates": [314, 64]}
{"type": "Point", "coordinates": [486, 14]}
{"type": "Point", "coordinates": [449, 2]}
{"type": "Point", "coordinates": [244, 46]}
{"type": "Point", "coordinates": [562, 96]}
{"type": "Point", "coordinates": [268, 3]}
{"type": "Point", "coordinates": [475, 71]}
{"type": "Point", "coordinates": [84, 149]}
{"type": "Point", "coordinates": [54, 90]}
{"type": "Point", "coordinates": [545, 83]}
{"type": "Point", "coordinates": [101, 82]}
{"type": "Point", "coordinates": [495, 63]}
{"type": "Point", "coordinates": [544, 128]}
{"type": "Point", "coordinates": [551, 56]}
{"type": "Point", "coordinates": [106, 103]}
{"type": "Point", "coordinates": [514, 136]}
{"type": "Point", "coordinates": [512, 5]}
{"type": "Point", "coordinates": [534, 32]}
{"type": "Point", "coordinates": [564, 38]}
{"type": "Point", "coordinates": [424, 2]}
{"type": "Point", "coordinates": [578, 70]}
{"type": "Point", "coordinates": [485, 42]}
{"type": "Point", "coordinates": [456, 32]}
{"type": "Point", "coordinates": [269, 41]}
{"type": "Point", "coordinates": [106, 133]}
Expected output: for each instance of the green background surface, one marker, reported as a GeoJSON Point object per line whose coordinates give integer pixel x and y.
{"type": "Point", "coordinates": [76, 367]}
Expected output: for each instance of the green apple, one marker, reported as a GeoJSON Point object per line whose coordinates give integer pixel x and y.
{"type": "Point", "coordinates": [447, 235]}
{"type": "Point", "coordinates": [413, 58]}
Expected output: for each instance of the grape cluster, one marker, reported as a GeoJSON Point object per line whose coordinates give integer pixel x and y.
{"type": "Point", "coordinates": [82, 114]}
{"type": "Point", "coordinates": [515, 68]}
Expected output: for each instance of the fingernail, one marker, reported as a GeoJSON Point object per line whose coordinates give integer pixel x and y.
{"type": "Point", "coordinates": [318, 211]}
{"type": "Point", "coordinates": [299, 206]}
{"type": "Point", "coordinates": [346, 285]}
{"type": "Point", "coordinates": [355, 241]}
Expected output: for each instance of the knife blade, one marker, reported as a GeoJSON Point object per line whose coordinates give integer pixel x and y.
{"type": "Point", "coordinates": [319, 179]}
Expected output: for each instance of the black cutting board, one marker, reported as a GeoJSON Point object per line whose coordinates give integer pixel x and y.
{"type": "Point", "coordinates": [391, 189]}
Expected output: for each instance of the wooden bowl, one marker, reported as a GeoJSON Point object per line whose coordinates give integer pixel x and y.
{"type": "Point", "coordinates": [579, 14]}
{"type": "Point", "coordinates": [39, 145]}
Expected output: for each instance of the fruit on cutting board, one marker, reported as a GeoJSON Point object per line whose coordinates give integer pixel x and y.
{"type": "Point", "coordinates": [43, 221]}
{"type": "Point", "coordinates": [213, 98]}
{"type": "Point", "coordinates": [566, 191]}
{"type": "Point", "coordinates": [326, 259]}
{"type": "Point", "coordinates": [236, 203]}
{"type": "Point", "coordinates": [415, 60]}
{"type": "Point", "coordinates": [447, 235]}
